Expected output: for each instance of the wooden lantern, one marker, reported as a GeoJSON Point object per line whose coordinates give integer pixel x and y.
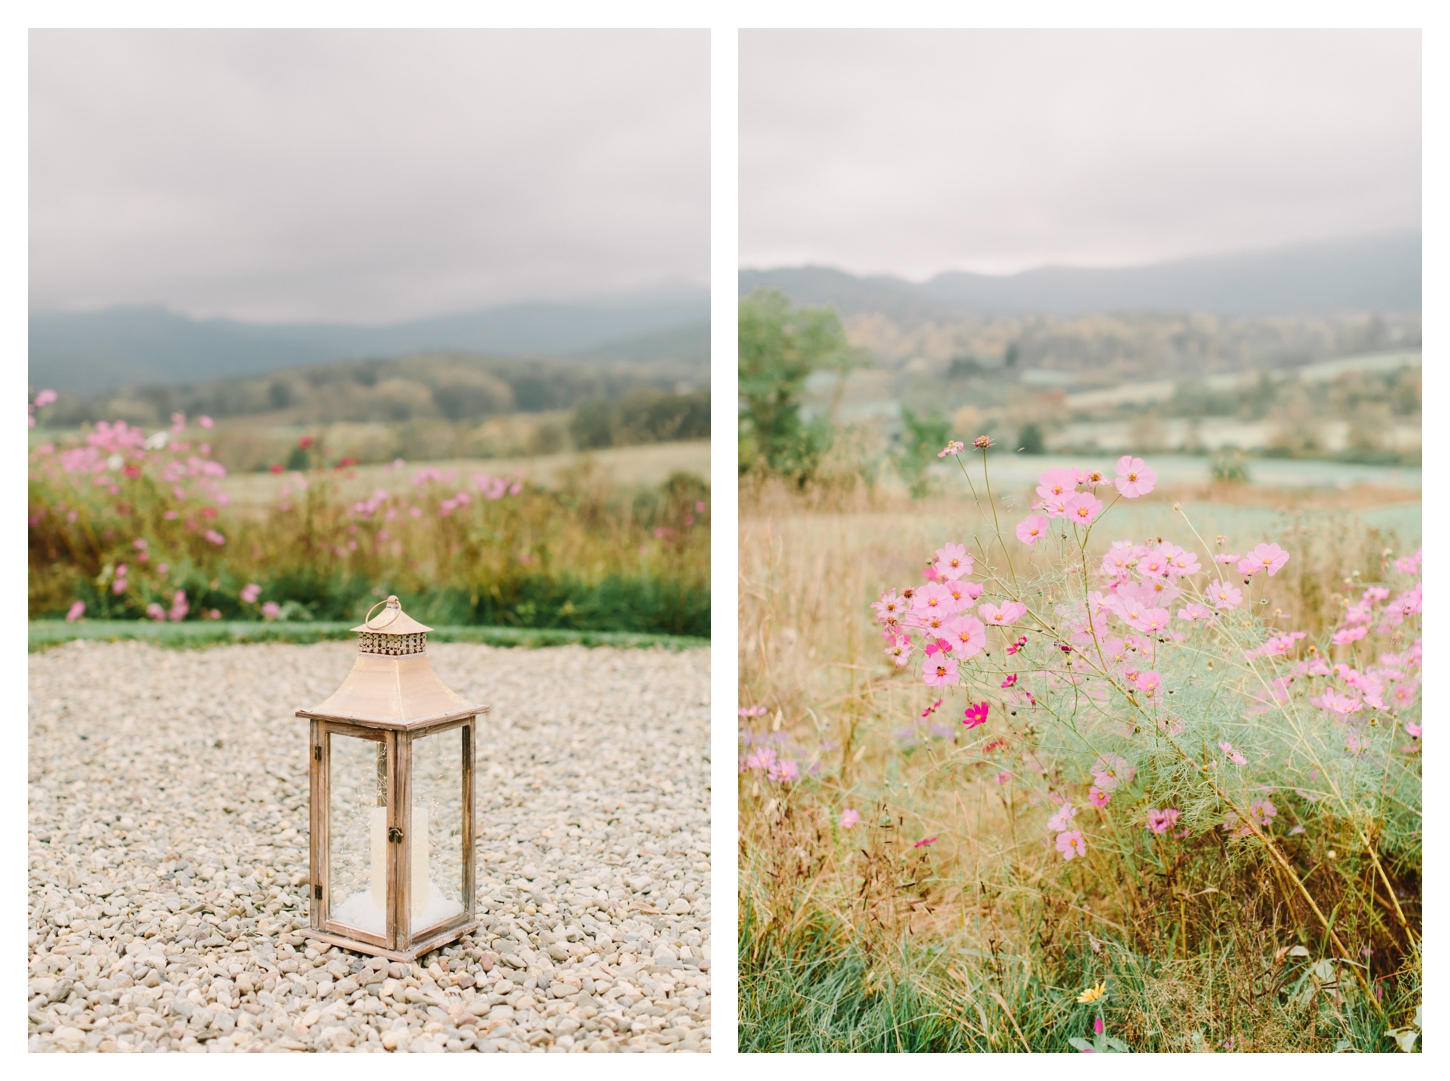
{"type": "Point", "coordinates": [392, 830]}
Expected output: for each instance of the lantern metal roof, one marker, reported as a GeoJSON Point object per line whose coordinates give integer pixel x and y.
{"type": "Point", "coordinates": [392, 683]}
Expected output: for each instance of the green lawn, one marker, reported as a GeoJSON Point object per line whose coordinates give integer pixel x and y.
{"type": "Point", "coordinates": [192, 634]}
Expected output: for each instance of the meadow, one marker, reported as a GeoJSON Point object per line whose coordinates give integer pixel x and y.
{"type": "Point", "coordinates": [125, 525]}
{"type": "Point", "coordinates": [1039, 852]}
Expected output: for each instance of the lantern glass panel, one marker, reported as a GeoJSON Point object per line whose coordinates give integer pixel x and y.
{"type": "Point", "coordinates": [357, 830]}
{"type": "Point", "coordinates": [437, 882]}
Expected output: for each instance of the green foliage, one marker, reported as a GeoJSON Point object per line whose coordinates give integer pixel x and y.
{"type": "Point", "coordinates": [1029, 439]}
{"type": "Point", "coordinates": [922, 438]}
{"type": "Point", "coordinates": [780, 347]}
{"type": "Point", "coordinates": [642, 416]}
{"type": "Point", "coordinates": [1228, 467]}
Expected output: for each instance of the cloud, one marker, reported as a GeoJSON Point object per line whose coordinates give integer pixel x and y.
{"type": "Point", "coordinates": [913, 152]}
{"type": "Point", "coordinates": [364, 175]}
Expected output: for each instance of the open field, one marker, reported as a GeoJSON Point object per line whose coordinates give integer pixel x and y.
{"type": "Point", "coordinates": [645, 466]}
{"type": "Point", "coordinates": [936, 915]}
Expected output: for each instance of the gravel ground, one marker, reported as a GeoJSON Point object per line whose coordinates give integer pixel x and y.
{"type": "Point", "coordinates": [168, 858]}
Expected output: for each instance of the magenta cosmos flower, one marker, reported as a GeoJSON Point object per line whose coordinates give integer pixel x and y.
{"type": "Point", "coordinates": [976, 714]}
{"type": "Point", "coordinates": [1134, 477]}
{"type": "Point", "coordinates": [1032, 529]}
{"type": "Point", "coordinates": [1071, 844]}
{"type": "Point", "coordinates": [1264, 557]}
{"type": "Point", "coordinates": [953, 562]}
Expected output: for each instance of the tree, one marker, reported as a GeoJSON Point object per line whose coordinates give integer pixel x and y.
{"type": "Point", "coordinates": [922, 438]}
{"type": "Point", "coordinates": [780, 347]}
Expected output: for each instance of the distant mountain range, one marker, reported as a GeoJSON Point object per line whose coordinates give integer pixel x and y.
{"type": "Point", "coordinates": [92, 351]}
{"type": "Point", "coordinates": [1373, 274]}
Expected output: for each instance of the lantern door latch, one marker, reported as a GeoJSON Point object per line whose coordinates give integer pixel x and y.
{"type": "Point", "coordinates": [395, 834]}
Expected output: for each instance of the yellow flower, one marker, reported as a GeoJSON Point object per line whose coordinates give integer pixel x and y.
{"type": "Point", "coordinates": [1092, 994]}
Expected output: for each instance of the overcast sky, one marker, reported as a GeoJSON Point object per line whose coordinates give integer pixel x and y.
{"type": "Point", "coordinates": [914, 152]}
{"type": "Point", "coordinates": [364, 176]}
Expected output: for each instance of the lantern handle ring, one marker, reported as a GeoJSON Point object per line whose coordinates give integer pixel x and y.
{"type": "Point", "coordinates": [397, 611]}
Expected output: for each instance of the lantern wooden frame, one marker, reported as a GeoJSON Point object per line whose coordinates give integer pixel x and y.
{"type": "Point", "coordinates": [392, 698]}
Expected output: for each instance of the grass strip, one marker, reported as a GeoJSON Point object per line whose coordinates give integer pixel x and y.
{"type": "Point", "coordinates": [45, 633]}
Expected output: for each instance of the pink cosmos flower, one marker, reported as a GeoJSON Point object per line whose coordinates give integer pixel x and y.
{"type": "Point", "coordinates": [1057, 482]}
{"type": "Point", "coordinates": [953, 562]}
{"type": "Point", "coordinates": [931, 708]}
{"type": "Point", "coordinates": [250, 592]}
{"type": "Point", "coordinates": [1055, 506]}
{"type": "Point", "coordinates": [271, 610]}
{"type": "Point", "coordinates": [1097, 797]}
{"type": "Point", "coordinates": [939, 671]}
{"type": "Point", "coordinates": [1071, 844]}
{"type": "Point", "coordinates": [1091, 478]}
{"type": "Point", "coordinates": [215, 537]}
{"type": "Point", "coordinates": [1118, 563]}
{"type": "Point", "coordinates": [1003, 777]}
{"type": "Point", "coordinates": [44, 398]}
{"type": "Point", "coordinates": [888, 605]}
{"type": "Point", "coordinates": [899, 650]}
{"type": "Point", "coordinates": [1153, 565]}
{"type": "Point", "coordinates": [1346, 635]}
{"type": "Point", "coordinates": [205, 421]}
{"type": "Point", "coordinates": [1032, 529]}
{"type": "Point", "coordinates": [1182, 563]}
{"type": "Point", "coordinates": [1110, 771]}
{"type": "Point", "coordinates": [849, 817]}
{"type": "Point", "coordinates": [1279, 645]}
{"type": "Point", "coordinates": [1002, 615]}
{"type": "Point", "coordinates": [925, 841]}
{"type": "Point", "coordinates": [964, 594]}
{"type": "Point", "coordinates": [1263, 810]}
{"type": "Point", "coordinates": [156, 612]}
{"type": "Point", "coordinates": [1405, 564]}
{"type": "Point", "coordinates": [1339, 703]}
{"type": "Point", "coordinates": [953, 447]}
{"type": "Point", "coordinates": [1017, 646]}
{"type": "Point", "coordinates": [1151, 620]}
{"type": "Point", "coordinates": [1194, 611]}
{"type": "Point", "coordinates": [1060, 821]}
{"type": "Point", "coordinates": [1232, 755]}
{"type": "Point", "coordinates": [1162, 821]}
{"type": "Point", "coordinates": [1413, 730]}
{"type": "Point", "coordinates": [967, 635]}
{"type": "Point", "coordinates": [1083, 508]}
{"type": "Point", "coordinates": [1224, 595]}
{"type": "Point", "coordinates": [784, 769]}
{"type": "Point", "coordinates": [1264, 557]}
{"type": "Point", "coordinates": [1225, 557]}
{"type": "Point", "coordinates": [1134, 478]}
{"type": "Point", "coordinates": [1010, 681]}
{"type": "Point", "coordinates": [118, 586]}
{"type": "Point", "coordinates": [75, 612]}
{"type": "Point", "coordinates": [976, 714]}
{"type": "Point", "coordinates": [1150, 683]}
{"type": "Point", "coordinates": [933, 597]}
